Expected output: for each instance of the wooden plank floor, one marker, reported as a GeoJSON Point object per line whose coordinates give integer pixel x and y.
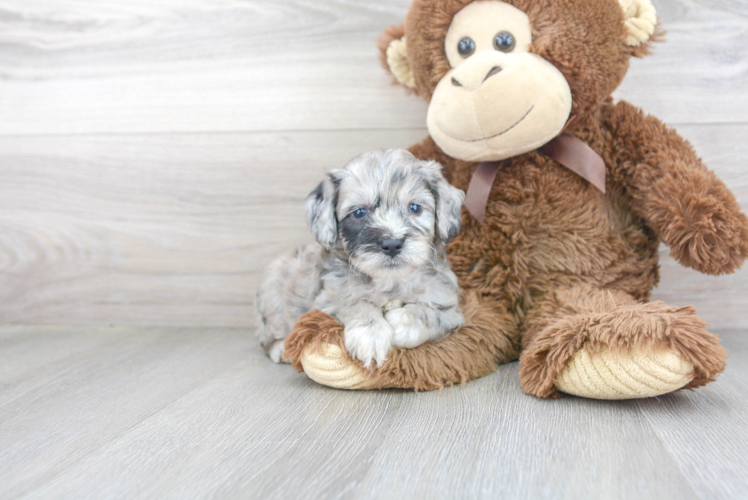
{"type": "Point", "coordinates": [198, 413]}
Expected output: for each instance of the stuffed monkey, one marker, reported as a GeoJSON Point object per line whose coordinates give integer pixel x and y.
{"type": "Point", "coordinates": [569, 196]}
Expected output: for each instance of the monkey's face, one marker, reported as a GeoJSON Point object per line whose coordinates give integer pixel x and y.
{"type": "Point", "coordinates": [498, 100]}
{"type": "Point", "coordinates": [502, 78]}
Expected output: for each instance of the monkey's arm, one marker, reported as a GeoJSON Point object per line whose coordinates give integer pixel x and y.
{"type": "Point", "coordinates": [490, 337]}
{"type": "Point", "coordinates": [687, 206]}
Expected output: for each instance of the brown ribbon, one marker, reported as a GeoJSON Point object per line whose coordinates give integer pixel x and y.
{"type": "Point", "coordinates": [566, 149]}
{"type": "Point", "coordinates": [577, 156]}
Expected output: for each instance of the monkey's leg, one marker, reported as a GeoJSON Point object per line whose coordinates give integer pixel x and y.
{"type": "Point", "coordinates": [603, 344]}
{"type": "Point", "coordinates": [488, 339]}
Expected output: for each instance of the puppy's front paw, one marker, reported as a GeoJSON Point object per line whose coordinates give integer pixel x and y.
{"type": "Point", "coordinates": [369, 342]}
{"type": "Point", "coordinates": [408, 330]}
{"type": "Point", "coordinates": [275, 351]}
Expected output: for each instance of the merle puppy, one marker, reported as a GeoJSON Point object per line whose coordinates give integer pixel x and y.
{"type": "Point", "coordinates": [380, 268]}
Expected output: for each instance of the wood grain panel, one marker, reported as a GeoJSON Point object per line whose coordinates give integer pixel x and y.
{"type": "Point", "coordinates": [697, 75]}
{"type": "Point", "coordinates": [58, 414]}
{"type": "Point", "coordinates": [156, 229]}
{"type": "Point", "coordinates": [709, 427]}
{"type": "Point", "coordinates": [201, 66]}
{"type": "Point", "coordinates": [185, 412]}
{"type": "Point", "coordinates": [508, 444]}
{"type": "Point", "coordinates": [176, 229]}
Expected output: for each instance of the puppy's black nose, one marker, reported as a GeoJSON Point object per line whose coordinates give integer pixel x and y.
{"type": "Point", "coordinates": [392, 247]}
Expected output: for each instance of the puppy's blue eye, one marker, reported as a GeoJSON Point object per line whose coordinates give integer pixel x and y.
{"type": "Point", "coordinates": [415, 208]}
{"type": "Point", "coordinates": [360, 213]}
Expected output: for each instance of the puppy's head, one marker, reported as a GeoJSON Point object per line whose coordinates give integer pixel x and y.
{"type": "Point", "coordinates": [387, 210]}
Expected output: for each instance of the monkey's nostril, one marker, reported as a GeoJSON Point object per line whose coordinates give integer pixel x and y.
{"type": "Point", "coordinates": [495, 70]}
{"type": "Point", "coordinates": [455, 82]}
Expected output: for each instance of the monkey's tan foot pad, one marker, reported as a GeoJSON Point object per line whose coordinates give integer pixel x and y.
{"type": "Point", "coordinates": [326, 365]}
{"type": "Point", "coordinates": [628, 375]}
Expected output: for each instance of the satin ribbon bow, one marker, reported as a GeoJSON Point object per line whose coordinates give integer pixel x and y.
{"type": "Point", "coordinates": [566, 149]}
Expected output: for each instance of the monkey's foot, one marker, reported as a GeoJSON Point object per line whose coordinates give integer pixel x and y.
{"type": "Point", "coordinates": [627, 375]}
{"type": "Point", "coordinates": [326, 365]}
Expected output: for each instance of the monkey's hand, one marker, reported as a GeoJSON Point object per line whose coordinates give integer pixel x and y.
{"type": "Point", "coordinates": [668, 185]}
{"type": "Point", "coordinates": [695, 214]}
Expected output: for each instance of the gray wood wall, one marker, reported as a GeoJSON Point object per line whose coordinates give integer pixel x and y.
{"type": "Point", "coordinates": [154, 155]}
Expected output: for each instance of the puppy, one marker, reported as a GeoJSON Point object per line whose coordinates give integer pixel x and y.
{"type": "Point", "coordinates": [380, 268]}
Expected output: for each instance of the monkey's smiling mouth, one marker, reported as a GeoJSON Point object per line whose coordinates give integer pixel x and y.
{"type": "Point", "coordinates": [492, 136]}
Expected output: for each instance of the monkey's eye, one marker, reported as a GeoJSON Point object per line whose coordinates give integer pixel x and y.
{"type": "Point", "coordinates": [415, 208]}
{"type": "Point", "coordinates": [360, 213]}
{"type": "Point", "coordinates": [504, 41]}
{"type": "Point", "coordinates": [466, 47]}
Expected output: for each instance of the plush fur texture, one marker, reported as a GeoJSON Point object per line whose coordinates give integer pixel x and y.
{"type": "Point", "coordinates": [558, 266]}
{"type": "Point", "coordinates": [567, 320]}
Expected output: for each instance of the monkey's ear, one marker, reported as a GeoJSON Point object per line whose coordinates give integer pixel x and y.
{"type": "Point", "coordinates": [393, 53]}
{"type": "Point", "coordinates": [320, 212]}
{"type": "Point", "coordinates": [640, 19]}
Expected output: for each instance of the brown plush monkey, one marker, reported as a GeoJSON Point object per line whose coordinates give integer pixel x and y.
{"type": "Point", "coordinates": [559, 272]}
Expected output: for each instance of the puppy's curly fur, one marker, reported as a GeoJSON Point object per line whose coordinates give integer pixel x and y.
{"type": "Point", "coordinates": [380, 268]}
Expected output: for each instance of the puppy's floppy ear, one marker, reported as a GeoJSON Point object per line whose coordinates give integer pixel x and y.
{"type": "Point", "coordinates": [393, 53]}
{"type": "Point", "coordinates": [448, 201]}
{"type": "Point", "coordinates": [320, 212]}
